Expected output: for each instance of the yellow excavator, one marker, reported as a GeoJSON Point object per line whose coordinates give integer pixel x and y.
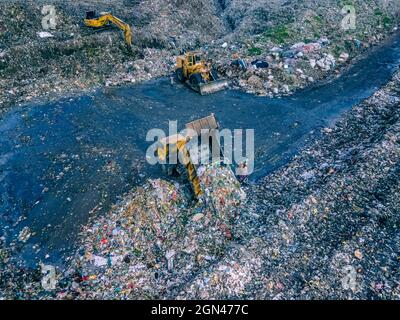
{"type": "Point", "coordinates": [105, 18]}
{"type": "Point", "coordinates": [199, 75]}
{"type": "Point", "coordinates": [179, 143]}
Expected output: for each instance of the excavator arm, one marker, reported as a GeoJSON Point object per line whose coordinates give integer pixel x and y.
{"type": "Point", "coordinates": [104, 19]}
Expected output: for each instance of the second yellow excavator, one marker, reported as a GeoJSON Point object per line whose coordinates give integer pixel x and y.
{"type": "Point", "coordinates": [105, 18]}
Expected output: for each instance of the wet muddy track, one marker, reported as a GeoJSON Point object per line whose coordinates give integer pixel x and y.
{"type": "Point", "coordinates": [64, 161]}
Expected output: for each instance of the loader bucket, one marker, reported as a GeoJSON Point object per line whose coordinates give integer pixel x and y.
{"type": "Point", "coordinates": [214, 86]}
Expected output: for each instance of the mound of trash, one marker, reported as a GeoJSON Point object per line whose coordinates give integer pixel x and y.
{"type": "Point", "coordinates": [328, 222]}
{"type": "Point", "coordinates": [154, 240]}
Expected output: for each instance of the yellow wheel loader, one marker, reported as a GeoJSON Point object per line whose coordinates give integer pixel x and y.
{"type": "Point", "coordinates": [198, 74]}
{"type": "Point", "coordinates": [104, 20]}
{"type": "Point", "coordinates": [180, 144]}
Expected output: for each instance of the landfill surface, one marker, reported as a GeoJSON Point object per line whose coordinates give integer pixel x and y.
{"type": "Point", "coordinates": [325, 226]}
{"type": "Point", "coordinates": [301, 42]}
{"type": "Point", "coordinates": [151, 243]}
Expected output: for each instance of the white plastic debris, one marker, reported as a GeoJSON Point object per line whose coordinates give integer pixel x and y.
{"type": "Point", "coordinates": [44, 34]}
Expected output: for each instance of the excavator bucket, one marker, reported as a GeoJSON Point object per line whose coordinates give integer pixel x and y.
{"type": "Point", "coordinates": [213, 86]}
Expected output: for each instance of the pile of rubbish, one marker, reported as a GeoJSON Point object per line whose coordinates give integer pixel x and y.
{"type": "Point", "coordinates": [281, 71]}
{"type": "Point", "coordinates": [154, 240]}
{"type": "Point", "coordinates": [222, 191]}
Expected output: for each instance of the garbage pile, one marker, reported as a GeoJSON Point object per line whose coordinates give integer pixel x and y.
{"type": "Point", "coordinates": [154, 240]}
{"type": "Point", "coordinates": [328, 225]}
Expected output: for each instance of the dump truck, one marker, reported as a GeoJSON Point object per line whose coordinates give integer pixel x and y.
{"type": "Point", "coordinates": [103, 20]}
{"type": "Point", "coordinates": [205, 130]}
{"type": "Point", "coordinates": [198, 75]}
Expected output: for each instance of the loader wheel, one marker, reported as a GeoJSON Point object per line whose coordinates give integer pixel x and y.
{"type": "Point", "coordinates": [179, 75]}
{"type": "Point", "coordinates": [214, 75]}
{"type": "Point", "coordinates": [196, 79]}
